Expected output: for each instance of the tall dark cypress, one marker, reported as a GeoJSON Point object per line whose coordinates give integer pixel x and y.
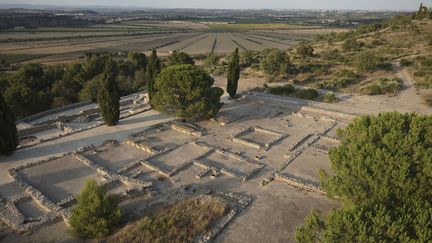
{"type": "Point", "coordinates": [233, 73]}
{"type": "Point", "coordinates": [8, 131]}
{"type": "Point", "coordinates": [109, 95]}
{"type": "Point", "coordinates": [153, 69]}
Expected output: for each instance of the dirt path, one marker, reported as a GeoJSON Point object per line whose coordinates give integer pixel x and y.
{"type": "Point", "coordinates": [408, 100]}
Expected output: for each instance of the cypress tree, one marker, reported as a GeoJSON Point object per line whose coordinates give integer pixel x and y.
{"type": "Point", "coordinates": [109, 95]}
{"type": "Point", "coordinates": [153, 69]}
{"type": "Point", "coordinates": [233, 73]}
{"type": "Point", "coordinates": [8, 131]}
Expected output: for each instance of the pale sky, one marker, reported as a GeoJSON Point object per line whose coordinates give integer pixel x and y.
{"type": "Point", "coordinates": [248, 4]}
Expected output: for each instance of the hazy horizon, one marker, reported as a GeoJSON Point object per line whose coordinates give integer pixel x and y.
{"type": "Point", "coordinates": [396, 5]}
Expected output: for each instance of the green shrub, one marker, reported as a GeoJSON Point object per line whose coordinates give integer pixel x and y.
{"type": "Point", "coordinates": [275, 62]}
{"type": "Point", "coordinates": [367, 61]}
{"type": "Point", "coordinates": [330, 97]}
{"type": "Point", "coordinates": [96, 214]}
{"type": "Point", "coordinates": [287, 90]}
{"type": "Point", "coordinates": [383, 86]}
{"type": "Point", "coordinates": [332, 55]}
{"type": "Point", "coordinates": [351, 45]}
{"type": "Point", "coordinates": [372, 89]}
{"type": "Point", "coordinates": [179, 58]}
{"type": "Point", "coordinates": [305, 50]}
{"type": "Point", "coordinates": [335, 84]}
{"type": "Point", "coordinates": [307, 94]}
{"type": "Point", "coordinates": [405, 62]}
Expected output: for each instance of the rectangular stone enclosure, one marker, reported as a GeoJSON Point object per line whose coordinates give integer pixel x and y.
{"type": "Point", "coordinates": [60, 178]}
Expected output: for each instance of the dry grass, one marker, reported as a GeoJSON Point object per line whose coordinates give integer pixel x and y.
{"type": "Point", "coordinates": [181, 222]}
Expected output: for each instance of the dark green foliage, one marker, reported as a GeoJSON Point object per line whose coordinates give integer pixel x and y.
{"type": "Point", "coordinates": [249, 58]}
{"type": "Point", "coordinates": [305, 50]}
{"type": "Point", "coordinates": [351, 45]}
{"type": "Point", "coordinates": [382, 174]}
{"type": "Point", "coordinates": [383, 86]}
{"type": "Point", "coordinates": [152, 71]}
{"type": "Point", "coordinates": [29, 90]}
{"type": "Point", "coordinates": [233, 73]}
{"type": "Point", "coordinates": [179, 58]}
{"type": "Point", "coordinates": [275, 62]}
{"type": "Point", "coordinates": [34, 87]}
{"type": "Point", "coordinates": [138, 59]}
{"type": "Point", "coordinates": [96, 214]}
{"type": "Point", "coordinates": [186, 91]}
{"type": "Point", "coordinates": [343, 78]}
{"type": "Point", "coordinates": [109, 96]}
{"type": "Point", "coordinates": [307, 94]}
{"type": "Point", "coordinates": [367, 61]}
{"type": "Point", "coordinates": [333, 55]}
{"type": "Point", "coordinates": [405, 62]}
{"type": "Point", "coordinates": [330, 97]}
{"type": "Point", "coordinates": [290, 90]}
{"type": "Point", "coordinates": [287, 90]}
{"type": "Point", "coordinates": [91, 89]}
{"type": "Point", "coordinates": [8, 131]}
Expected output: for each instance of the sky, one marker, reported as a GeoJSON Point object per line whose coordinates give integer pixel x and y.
{"type": "Point", "coordinates": [240, 4]}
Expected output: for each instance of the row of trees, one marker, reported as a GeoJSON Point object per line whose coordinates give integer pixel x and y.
{"type": "Point", "coordinates": [35, 87]}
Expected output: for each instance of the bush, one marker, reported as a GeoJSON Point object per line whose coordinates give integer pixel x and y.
{"type": "Point", "coordinates": [382, 177]}
{"type": "Point", "coordinates": [330, 97]}
{"type": "Point", "coordinates": [287, 90]}
{"type": "Point", "coordinates": [179, 58]}
{"type": "Point", "coordinates": [249, 59]}
{"type": "Point", "coordinates": [383, 86]}
{"type": "Point", "coordinates": [351, 45]}
{"type": "Point", "coordinates": [96, 214]}
{"type": "Point", "coordinates": [290, 90]}
{"type": "Point", "coordinates": [275, 62]}
{"type": "Point", "coordinates": [367, 61]}
{"type": "Point", "coordinates": [332, 55]}
{"type": "Point", "coordinates": [405, 62]}
{"type": "Point", "coordinates": [305, 50]}
{"type": "Point", "coordinates": [186, 91]}
{"type": "Point", "coordinates": [307, 94]}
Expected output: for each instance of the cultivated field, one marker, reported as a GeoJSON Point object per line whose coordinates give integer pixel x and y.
{"type": "Point", "coordinates": [62, 44]}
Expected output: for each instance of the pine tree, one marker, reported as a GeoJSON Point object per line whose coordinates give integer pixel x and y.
{"type": "Point", "coordinates": [109, 96]}
{"type": "Point", "coordinates": [96, 214]}
{"type": "Point", "coordinates": [233, 73]}
{"type": "Point", "coordinates": [8, 131]}
{"type": "Point", "coordinates": [153, 69]}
